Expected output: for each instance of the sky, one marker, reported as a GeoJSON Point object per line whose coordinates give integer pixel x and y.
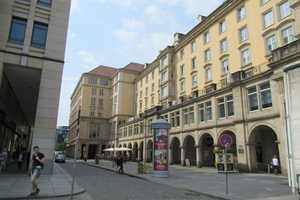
{"type": "Point", "coordinates": [117, 32]}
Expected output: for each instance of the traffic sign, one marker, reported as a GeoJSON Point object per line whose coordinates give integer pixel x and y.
{"type": "Point", "coordinates": [226, 140]}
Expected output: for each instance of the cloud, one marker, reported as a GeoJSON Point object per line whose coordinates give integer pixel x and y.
{"type": "Point", "coordinates": [132, 24]}
{"type": "Point", "coordinates": [154, 14]}
{"type": "Point", "coordinates": [126, 36]}
{"type": "Point", "coordinates": [87, 57]}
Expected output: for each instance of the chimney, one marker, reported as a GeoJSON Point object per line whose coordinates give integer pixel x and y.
{"type": "Point", "coordinates": [177, 38]}
{"type": "Point", "coordinates": [200, 18]}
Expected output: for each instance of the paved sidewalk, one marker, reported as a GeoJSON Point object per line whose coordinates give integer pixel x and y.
{"type": "Point", "coordinates": [208, 181]}
{"type": "Point", "coordinates": [18, 186]}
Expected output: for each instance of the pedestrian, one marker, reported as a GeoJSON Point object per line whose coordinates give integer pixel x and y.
{"type": "Point", "coordinates": [20, 160]}
{"type": "Point", "coordinates": [120, 162]}
{"type": "Point", "coordinates": [3, 159]}
{"type": "Point", "coordinates": [38, 160]}
{"type": "Point", "coordinates": [275, 164]}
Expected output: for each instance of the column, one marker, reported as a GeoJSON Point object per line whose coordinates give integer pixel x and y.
{"type": "Point", "coordinates": [182, 155]}
{"type": "Point", "coordinates": [145, 151]}
{"type": "Point", "coordinates": [198, 156]}
{"type": "Point", "coordinates": [139, 153]}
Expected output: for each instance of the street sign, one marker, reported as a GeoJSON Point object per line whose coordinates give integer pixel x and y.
{"type": "Point", "coordinates": [226, 140]}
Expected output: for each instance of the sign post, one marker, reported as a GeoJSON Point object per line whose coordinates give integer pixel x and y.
{"type": "Point", "coordinates": [226, 141]}
{"type": "Point", "coordinates": [161, 147]}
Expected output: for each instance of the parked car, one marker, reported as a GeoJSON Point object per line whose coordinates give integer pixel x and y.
{"type": "Point", "coordinates": [60, 157]}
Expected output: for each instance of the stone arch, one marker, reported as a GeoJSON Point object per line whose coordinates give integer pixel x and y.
{"type": "Point", "coordinates": [149, 155]}
{"type": "Point", "coordinates": [175, 151]}
{"type": "Point", "coordinates": [206, 150]}
{"type": "Point", "coordinates": [189, 145]}
{"type": "Point", "coordinates": [263, 146]}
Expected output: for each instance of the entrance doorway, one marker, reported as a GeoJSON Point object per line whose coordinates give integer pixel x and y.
{"type": "Point", "coordinates": [207, 151]}
{"type": "Point", "coordinates": [176, 154]}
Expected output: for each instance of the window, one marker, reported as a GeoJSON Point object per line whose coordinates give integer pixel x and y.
{"type": "Point", "coordinates": [181, 54]}
{"type": "Point", "coordinates": [225, 106]}
{"type": "Point", "coordinates": [265, 95]}
{"type": "Point", "coordinates": [175, 119]}
{"type": "Point", "coordinates": [164, 91]}
{"type": "Point", "coordinates": [141, 94]}
{"type": "Point", "coordinates": [182, 86]}
{"type": "Point", "coordinates": [207, 55]}
{"type": "Point", "coordinates": [101, 92]}
{"type": "Point", "coordinates": [223, 46]}
{"type": "Point", "coordinates": [241, 13]}
{"type": "Point", "coordinates": [93, 101]}
{"type": "Point", "coordinates": [208, 111]}
{"type": "Point", "coordinates": [17, 30]}
{"type": "Point", "coordinates": [46, 3]}
{"type": "Point", "coordinates": [224, 66]}
{"type": "Point", "coordinates": [264, 1]}
{"type": "Point", "coordinates": [194, 63]}
{"type": "Point", "coordinates": [39, 35]}
{"type": "Point", "coordinates": [152, 100]}
{"type": "Point", "coordinates": [271, 43]}
{"type": "Point", "coordinates": [103, 82]}
{"type": "Point", "coordinates": [222, 27]}
{"type": "Point", "coordinates": [221, 107]}
{"type": "Point", "coordinates": [130, 130]}
{"type": "Point", "coordinates": [201, 111]}
{"type": "Point", "coordinates": [245, 57]}
{"type": "Point", "coordinates": [229, 105]}
{"type": "Point", "coordinates": [182, 70]}
{"type": "Point", "coordinates": [152, 87]}
{"type": "Point", "coordinates": [194, 81]}
{"type": "Point", "coordinates": [164, 62]}
{"type": "Point", "coordinates": [147, 78]}
{"type": "Point", "coordinates": [193, 47]}
{"type": "Point", "coordinates": [208, 74]}
{"type": "Point", "coordinates": [92, 81]}
{"type": "Point", "coordinates": [252, 98]}
{"type": "Point", "coordinates": [287, 35]}
{"type": "Point", "coordinates": [188, 115]}
{"type": "Point", "coordinates": [243, 34]}
{"type": "Point", "coordinates": [268, 19]}
{"type": "Point", "coordinates": [206, 37]}
{"type": "Point", "coordinates": [164, 76]}
{"type": "Point", "coordinates": [94, 91]}
{"type": "Point", "coordinates": [101, 104]}
{"type": "Point", "coordinates": [284, 9]}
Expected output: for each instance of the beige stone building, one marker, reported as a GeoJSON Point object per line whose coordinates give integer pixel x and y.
{"type": "Point", "coordinates": [32, 48]}
{"type": "Point", "coordinates": [219, 79]}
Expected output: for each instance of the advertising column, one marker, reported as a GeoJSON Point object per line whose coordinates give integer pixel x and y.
{"type": "Point", "coordinates": [161, 144]}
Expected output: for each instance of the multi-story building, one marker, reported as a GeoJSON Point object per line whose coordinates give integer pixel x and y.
{"type": "Point", "coordinates": [32, 48]}
{"type": "Point", "coordinates": [219, 81]}
{"type": "Point", "coordinates": [90, 112]}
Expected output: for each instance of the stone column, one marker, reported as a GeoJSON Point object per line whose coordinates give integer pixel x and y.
{"type": "Point", "coordinates": [296, 6]}
{"type": "Point", "coordinates": [182, 155]}
{"type": "Point", "coordinates": [139, 153]}
{"type": "Point", "coordinates": [198, 156]}
{"type": "Point", "coordinates": [145, 151]}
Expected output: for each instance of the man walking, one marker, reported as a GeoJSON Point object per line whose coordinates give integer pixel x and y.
{"type": "Point", "coordinates": [38, 160]}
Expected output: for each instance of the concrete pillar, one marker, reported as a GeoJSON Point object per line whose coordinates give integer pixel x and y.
{"type": "Point", "coordinates": [145, 151]}
{"type": "Point", "coordinates": [139, 153]}
{"type": "Point", "coordinates": [182, 155]}
{"type": "Point", "coordinates": [296, 6]}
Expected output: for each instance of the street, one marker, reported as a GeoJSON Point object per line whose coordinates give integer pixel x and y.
{"type": "Point", "coordinates": [105, 185]}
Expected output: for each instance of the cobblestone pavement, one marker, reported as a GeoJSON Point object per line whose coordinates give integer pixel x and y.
{"type": "Point", "coordinates": [105, 185]}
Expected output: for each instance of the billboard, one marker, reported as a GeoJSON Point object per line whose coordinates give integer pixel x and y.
{"type": "Point", "coordinates": [161, 152]}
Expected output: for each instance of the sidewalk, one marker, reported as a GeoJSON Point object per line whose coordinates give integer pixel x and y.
{"type": "Point", "coordinates": [18, 186]}
{"type": "Point", "coordinates": [208, 181]}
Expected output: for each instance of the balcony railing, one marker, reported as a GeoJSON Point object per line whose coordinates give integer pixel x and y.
{"type": "Point", "coordinates": [286, 51]}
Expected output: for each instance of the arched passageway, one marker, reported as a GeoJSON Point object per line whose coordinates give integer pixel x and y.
{"type": "Point", "coordinates": [141, 151]}
{"type": "Point", "coordinates": [263, 147]}
{"type": "Point", "coordinates": [175, 151]}
{"type": "Point", "coordinates": [149, 151]}
{"type": "Point", "coordinates": [189, 151]}
{"type": "Point", "coordinates": [135, 152]}
{"type": "Point", "coordinates": [207, 158]}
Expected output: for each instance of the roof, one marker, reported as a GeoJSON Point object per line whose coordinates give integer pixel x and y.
{"type": "Point", "coordinates": [103, 71]}
{"type": "Point", "coordinates": [134, 67]}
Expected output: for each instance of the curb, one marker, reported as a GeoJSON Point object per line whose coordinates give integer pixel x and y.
{"type": "Point", "coordinates": [146, 179]}
{"type": "Point", "coordinates": [44, 197]}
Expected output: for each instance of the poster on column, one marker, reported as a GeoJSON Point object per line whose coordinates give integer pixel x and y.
{"type": "Point", "coordinates": [161, 150]}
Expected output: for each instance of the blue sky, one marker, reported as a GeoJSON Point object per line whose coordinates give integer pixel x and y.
{"type": "Point", "coordinates": [116, 32]}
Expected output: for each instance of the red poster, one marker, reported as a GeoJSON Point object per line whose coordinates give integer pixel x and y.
{"type": "Point", "coordinates": [161, 150]}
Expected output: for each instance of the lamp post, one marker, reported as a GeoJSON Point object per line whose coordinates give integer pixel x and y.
{"type": "Point", "coordinates": [75, 156]}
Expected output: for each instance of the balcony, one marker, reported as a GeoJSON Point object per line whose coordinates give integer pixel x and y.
{"type": "Point", "coordinates": [287, 52]}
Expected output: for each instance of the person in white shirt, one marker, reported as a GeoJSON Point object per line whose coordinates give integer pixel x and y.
{"type": "Point", "coordinates": [275, 164]}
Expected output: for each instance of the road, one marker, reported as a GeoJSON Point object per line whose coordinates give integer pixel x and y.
{"type": "Point", "coordinates": [105, 185]}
